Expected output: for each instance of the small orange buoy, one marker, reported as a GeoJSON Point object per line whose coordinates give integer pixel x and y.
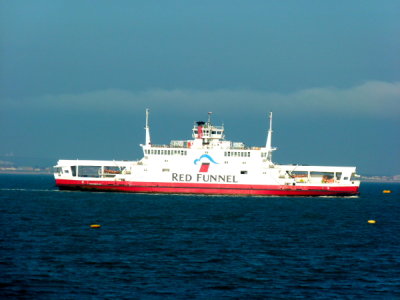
{"type": "Point", "coordinates": [95, 226]}
{"type": "Point", "coordinates": [371, 221]}
{"type": "Point", "coordinates": [387, 191]}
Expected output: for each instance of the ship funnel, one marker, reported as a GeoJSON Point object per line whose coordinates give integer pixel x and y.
{"type": "Point", "coordinates": [147, 128]}
{"type": "Point", "coordinates": [200, 129]}
{"type": "Point", "coordinates": [268, 145]}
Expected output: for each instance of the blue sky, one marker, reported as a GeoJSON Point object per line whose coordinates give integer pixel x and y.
{"type": "Point", "coordinates": [76, 77]}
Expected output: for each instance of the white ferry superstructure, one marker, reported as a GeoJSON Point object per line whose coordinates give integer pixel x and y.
{"type": "Point", "coordinates": [206, 164]}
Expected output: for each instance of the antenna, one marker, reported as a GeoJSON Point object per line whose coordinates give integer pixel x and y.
{"type": "Point", "coordinates": [147, 128]}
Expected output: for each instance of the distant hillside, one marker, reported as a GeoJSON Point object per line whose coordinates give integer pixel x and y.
{"type": "Point", "coordinates": [34, 162]}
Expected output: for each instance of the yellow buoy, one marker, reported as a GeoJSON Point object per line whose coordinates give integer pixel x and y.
{"type": "Point", "coordinates": [95, 226]}
{"type": "Point", "coordinates": [387, 191]}
{"type": "Point", "coordinates": [371, 221]}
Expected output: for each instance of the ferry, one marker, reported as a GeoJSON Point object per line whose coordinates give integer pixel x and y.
{"type": "Point", "coordinates": [207, 164]}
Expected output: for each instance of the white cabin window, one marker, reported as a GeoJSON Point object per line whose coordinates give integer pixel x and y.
{"type": "Point", "coordinates": [90, 171]}
{"type": "Point", "coordinates": [325, 177]}
{"type": "Point", "coordinates": [353, 177]}
{"type": "Point", "coordinates": [73, 169]}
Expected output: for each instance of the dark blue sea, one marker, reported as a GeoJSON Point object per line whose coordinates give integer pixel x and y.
{"type": "Point", "coordinates": [196, 247]}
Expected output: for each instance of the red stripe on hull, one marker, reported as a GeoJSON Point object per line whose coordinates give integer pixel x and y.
{"type": "Point", "coordinates": [206, 189]}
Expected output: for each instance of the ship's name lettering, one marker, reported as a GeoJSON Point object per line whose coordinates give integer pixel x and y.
{"type": "Point", "coordinates": [204, 178]}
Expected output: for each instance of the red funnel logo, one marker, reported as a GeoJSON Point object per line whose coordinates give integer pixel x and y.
{"type": "Point", "coordinates": [204, 167]}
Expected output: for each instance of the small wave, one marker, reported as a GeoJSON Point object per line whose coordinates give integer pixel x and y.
{"type": "Point", "coordinates": [28, 190]}
{"type": "Point", "coordinates": [223, 287]}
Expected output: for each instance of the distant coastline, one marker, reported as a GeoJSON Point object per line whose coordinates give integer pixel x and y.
{"type": "Point", "coordinates": [395, 178]}
{"type": "Point", "coordinates": [26, 171]}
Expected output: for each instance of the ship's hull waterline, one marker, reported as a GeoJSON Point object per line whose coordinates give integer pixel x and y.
{"type": "Point", "coordinates": [206, 189]}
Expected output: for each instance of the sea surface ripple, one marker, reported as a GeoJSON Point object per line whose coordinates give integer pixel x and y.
{"type": "Point", "coordinates": [196, 247]}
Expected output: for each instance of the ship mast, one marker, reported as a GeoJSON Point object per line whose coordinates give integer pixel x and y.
{"type": "Point", "coordinates": [209, 118]}
{"type": "Point", "coordinates": [147, 128]}
{"type": "Point", "coordinates": [268, 145]}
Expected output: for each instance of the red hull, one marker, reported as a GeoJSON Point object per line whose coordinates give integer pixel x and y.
{"type": "Point", "coordinates": [205, 189]}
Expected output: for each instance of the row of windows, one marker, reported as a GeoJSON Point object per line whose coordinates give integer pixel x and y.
{"type": "Point", "coordinates": [207, 132]}
{"type": "Point", "coordinates": [237, 154]}
{"type": "Point", "coordinates": [165, 152]}
{"type": "Point", "coordinates": [184, 152]}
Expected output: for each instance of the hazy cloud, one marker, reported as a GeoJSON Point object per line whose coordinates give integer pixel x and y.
{"type": "Point", "coordinates": [371, 99]}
